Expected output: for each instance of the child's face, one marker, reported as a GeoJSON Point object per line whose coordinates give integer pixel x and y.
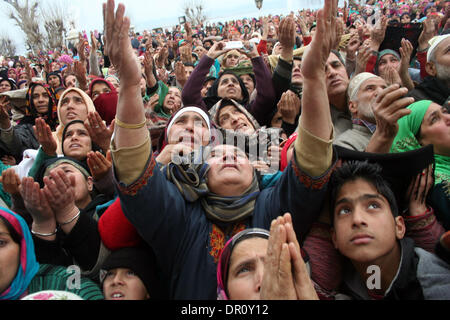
{"type": "Point", "coordinates": [364, 227]}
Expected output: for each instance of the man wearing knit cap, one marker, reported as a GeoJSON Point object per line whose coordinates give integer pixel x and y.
{"type": "Point", "coordinates": [375, 110]}
{"type": "Point", "coordinates": [436, 86]}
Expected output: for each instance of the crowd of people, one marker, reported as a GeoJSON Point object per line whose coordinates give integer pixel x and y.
{"type": "Point", "coordinates": [297, 157]}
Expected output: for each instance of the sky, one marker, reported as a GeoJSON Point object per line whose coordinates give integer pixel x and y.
{"type": "Point", "coordinates": [149, 14]}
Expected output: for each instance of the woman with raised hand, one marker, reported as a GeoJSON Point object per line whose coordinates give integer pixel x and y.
{"type": "Point", "coordinates": [188, 205]}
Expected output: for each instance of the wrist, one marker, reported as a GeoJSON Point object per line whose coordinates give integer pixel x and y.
{"type": "Point", "coordinates": [48, 152]}
{"type": "Point", "coordinates": [289, 120]}
{"type": "Point", "coordinates": [375, 47]}
{"type": "Point", "coordinates": [384, 136]}
{"type": "Point", "coordinates": [415, 211]}
{"type": "Point", "coordinates": [287, 56]}
{"type": "Point", "coordinates": [67, 215]}
{"type": "Point", "coordinates": [45, 227]}
{"type": "Point", "coordinates": [5, 125]}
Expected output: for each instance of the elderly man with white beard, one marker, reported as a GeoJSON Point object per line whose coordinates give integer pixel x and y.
{"type": "Point", "coordinates": [375, 110]}
{"type": "Point", "coordinates": [436, 86]}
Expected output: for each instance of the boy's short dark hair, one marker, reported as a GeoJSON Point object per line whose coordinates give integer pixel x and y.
{"type": "Point", "coordinates": [369, 172]}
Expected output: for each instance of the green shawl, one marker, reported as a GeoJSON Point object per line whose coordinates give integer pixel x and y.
{"type": "Point", "coordinates": [406, 138]}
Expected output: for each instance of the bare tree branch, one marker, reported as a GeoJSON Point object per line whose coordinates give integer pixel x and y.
{"type": "Point", "coordinates": [194, 10]}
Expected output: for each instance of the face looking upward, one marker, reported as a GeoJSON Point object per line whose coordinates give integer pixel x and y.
{"type": "Point", "coordinates": [247, 269]}
{"type": "Point", "coordinates": [362, 106]}
{"type": "Point", "coordinates": [231, 118]}
{"type": "Point", "coordinates": [172, 101]}
{"type": "Point", "coordinates": [435, 129]}
{"type": "Point", "coordinates": [77, 142]}
{"type": "Point", "coordinates": [189, 129]}
{"type": "Point", "coordinates": [71, 81]}
{"type": "Point", "coordinates": [73, 107]}
{"type": "Point", "coordinates": [230, 172]}
{"type": "Point", "coordinates": [365, 230]}
{"type": "Point", "coordinates": [248, 82]}
{"type": "Point", "coordinates": [98, 88]}
{"type": "Point", "coordinates": [337, 78]}
{"type": "Point", "coordinates": [229, 87]}
{"type": "Point", "coordinates": [297, 77]}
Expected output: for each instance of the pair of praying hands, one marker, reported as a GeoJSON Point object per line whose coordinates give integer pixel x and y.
{"type": "Point", "coordinates": [53, 204]}
{"type": "Point", "coordinates": [285, 273]}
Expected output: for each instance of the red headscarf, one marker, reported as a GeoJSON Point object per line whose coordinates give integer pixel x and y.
{"type": "Point", "coordinates": [106, 103]}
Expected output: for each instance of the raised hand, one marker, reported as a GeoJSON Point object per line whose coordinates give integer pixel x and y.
{"type": "Point", "coordinates": [378, 33]}
{"type": "Point", "coordinates": [303, 28]}
{"type": "Point", "coordinates": [278, 282]}
{"type": "Point", "coordinates": [339, 32]}
{"type": "Point", "coordinates": [187, 27]}
{"type": "Point", "coordinates": [250, 50]}
{"type": "Point", "coordinates": [162, 57]}
{"type": "Point", "coordinates": [318, 51]}
{"type": "Point", "coordinates": [9, 160]}
{"type": "Point", "coordinates": [217, 50]}
{"type": "Point", "coordinates": [153, 102]}
{"type": "Point", "coordinates": [94, 43]}
{"type": "Point", "coordinates": [148, 69]}
{"type": "Point", "coordinates": [118, 46]}
{"type": "Point", "coordinates": [265, 27]}
{"type": "Point", "coordinates": [180, 73]}
{"type": "Point", "coordinates": [286, 34]}
{"type": "Point", "coordinates": [44, 136]}
{"type": "Point", "coordinates": [5, 122]}
{"type": "Point", "coordinates": [60, 192]}
{"type": "Point", "coordinates": [171, 151]}
{"type": "Point", "coordinates": [405, 52]}
{"type": "Point", "coordinates": [302, 281]}
{"type": "Point", "coordinates": [81, 47]}
{"type": "Point", "coordinates": [289, 106]}
{"type": "Point", "coordinates": [352, 47]}
{"type": "Point", "coordinates": [37, 205]}
{"type": "Point", "coordinates": [316, 116]}
{"type": "Point", "coordinates": [390, 105]}
{"type": "Point", "coordinates": [98, 131]}
{"type": "Point", "coordinates": [418, 191]}
{"type": "Point", "coordinates": [364, 53]}
{"type": "Point", "coordinates": [80, 74]}
{"type": "Point", "coordinates": [186, 54]}
{"type": "Point", "coordinates": [10, 181]}
{"type": "Point", "coordinates": [429, 31]}
{"type": "Point", "coordinates": [391, 76]}
{"type": "Point", "coordinates": [99, 165]}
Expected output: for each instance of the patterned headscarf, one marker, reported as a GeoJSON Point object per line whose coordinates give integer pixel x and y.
{"type": "Point", "coordinates": [28, 265]}
{"type": "Point", "coordinates": [51, 117]}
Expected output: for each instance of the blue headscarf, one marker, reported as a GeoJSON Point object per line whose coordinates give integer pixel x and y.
{"type": "Point", "coordinates": [28, 265]}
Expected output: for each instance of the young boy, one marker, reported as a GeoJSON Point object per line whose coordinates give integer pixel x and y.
{"type": "Point", "coordinates": [369, 232]}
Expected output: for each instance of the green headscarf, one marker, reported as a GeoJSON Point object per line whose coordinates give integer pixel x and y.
{"type": "Point", "coordinates": [406, 138]}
